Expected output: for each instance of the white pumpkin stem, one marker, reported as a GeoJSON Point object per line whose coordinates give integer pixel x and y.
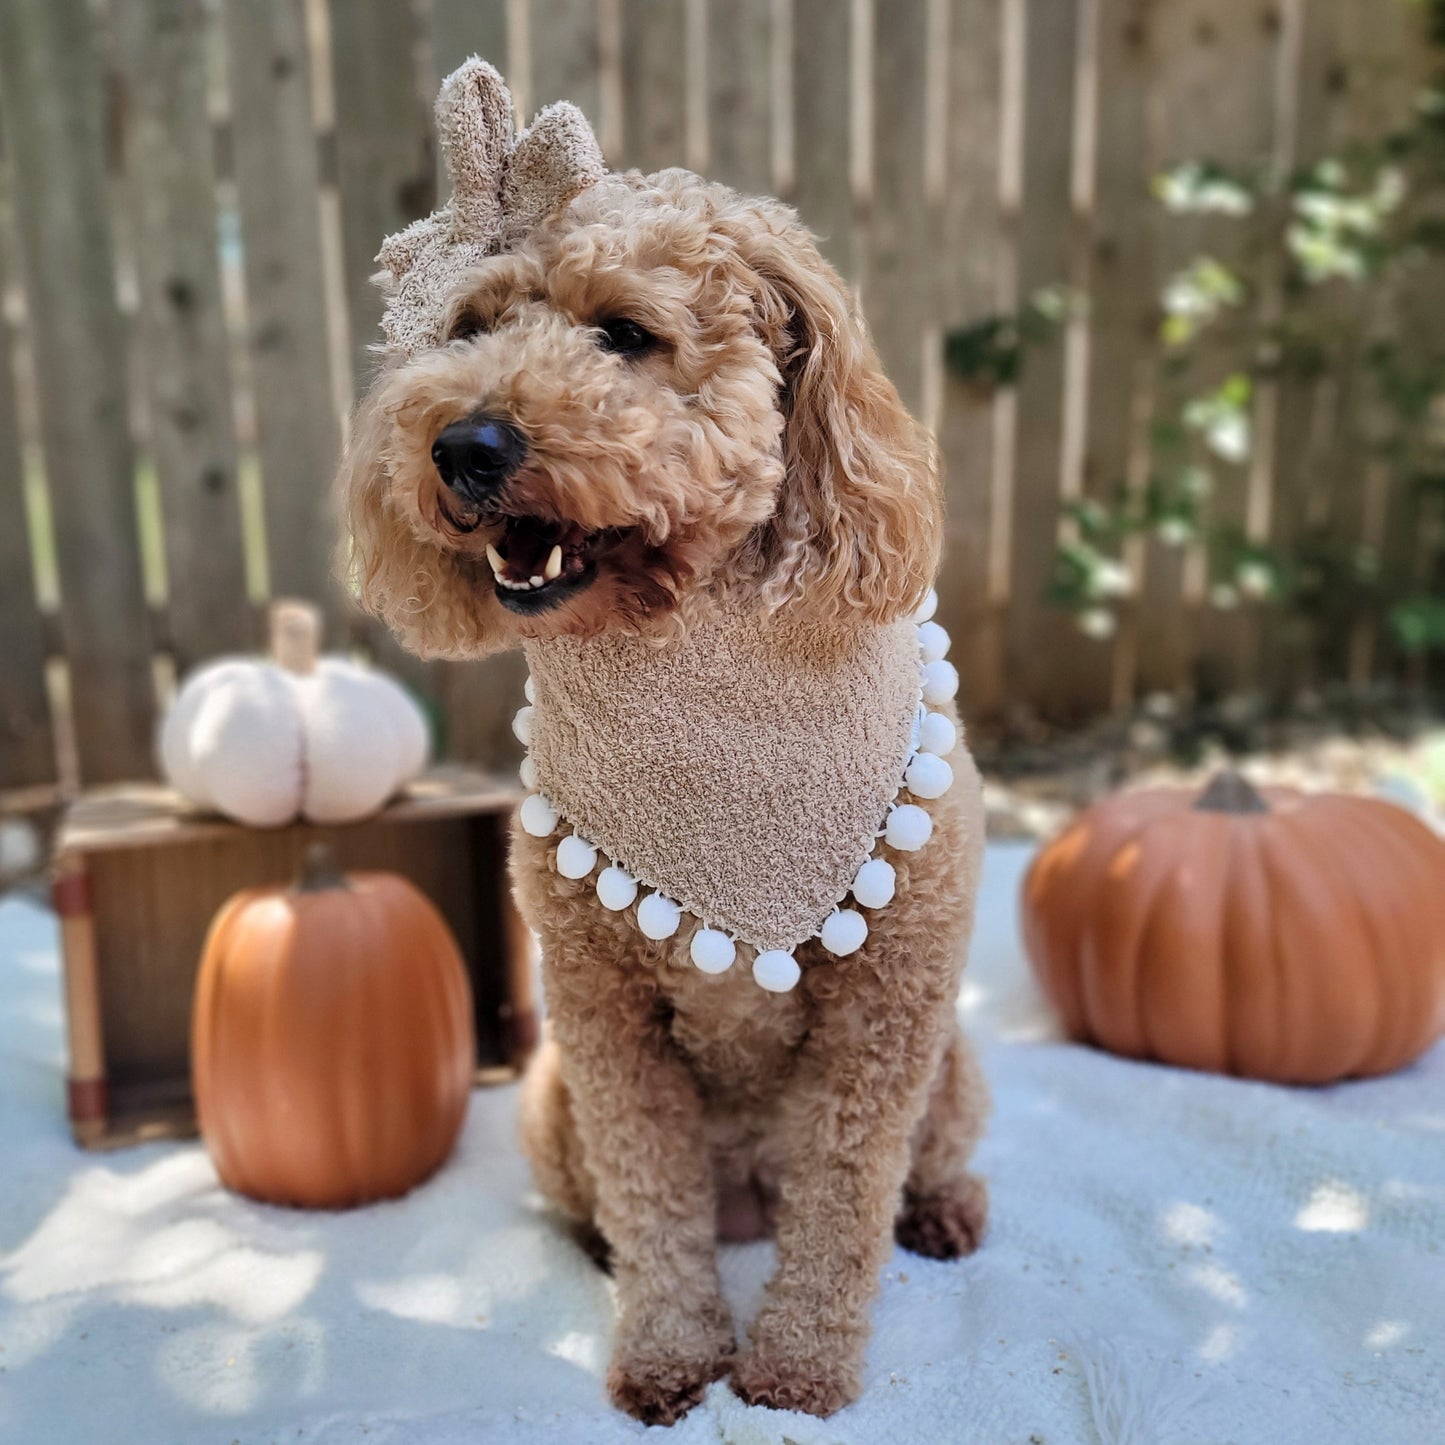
{"type": "Point", "coordinates": [295, 635]}
{"type": "Point", "coordinates": [319, 870]}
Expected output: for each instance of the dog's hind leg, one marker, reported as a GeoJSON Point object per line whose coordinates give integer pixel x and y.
{"type": "Point", "coordinates": [945, 1206]}
{"type": "Point", "coordinates": [553, 1148]}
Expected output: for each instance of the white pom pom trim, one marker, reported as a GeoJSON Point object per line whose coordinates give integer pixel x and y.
{"type": "Point", "coordinates": [658, 917]}
{"type": "Point", "coordinates": [940, 682]}
{"type": "Point", "coordinates": [576, 857]}
{"type": "Point", "coordinates": [874, 884]}
{"type": "Point", "coordinates": [928, 776]}
{"type": "Point", "coordinates": [843, 932]}
{"type": "Point", "coordinates": [616, 888]}
{"type": "Point", "coordinates": [712, 950]}
{"type": "Point", "coordinates": [907, 828]}
{"type": "Point", "coordinates": [538, 816]}
{"type": "Point", "coordinates": [932, 641]}
{"type": "Point", "coordinates": [776, 970]}
{"type": "Point", "coordinates": [938, 735]}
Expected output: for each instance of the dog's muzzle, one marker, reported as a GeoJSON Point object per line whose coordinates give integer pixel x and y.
{"type": "Point", "coordinates": [475, 457]}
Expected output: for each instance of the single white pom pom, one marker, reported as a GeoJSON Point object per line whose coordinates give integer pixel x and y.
{"type": "Point", "coordinates": [940, 682]}
{"type": "Point", "coordinates": [927, 607]}
{"type": "Point", "coordinates": [539, 817]}
{"type": "Point", "coordinates": [529, 691]}
{"type": "Point", "coordinates": [616, 888]}
{"type": "Point", "coordinates": [932, 641]}
{"type": "Point", "coordinates": [527, 771]}
{"type": "Point", "coordinates": [908, 828]}
{"type": "Point", "coordinates": [874, 885]}
{"type": "Point", "coordinates": [522, 726]}
{"type": "Point", "coordinates": [658, 917]}
{"type": "Point", "coordinates": [928, 776]}
{"type": "Point", "coordinates": [712, 950]}
{"type": "Point", "coordinates": [843, 932]}
{"type": "Point", "coordinates": [938, 735]}
{"type": "Point", "coordinates": [576, 857]}
{"type": "Point", "coordinates": [776, 970]}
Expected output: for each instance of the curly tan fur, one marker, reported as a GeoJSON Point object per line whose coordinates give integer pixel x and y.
{"type": "Point", "coordinates": [758, 450]}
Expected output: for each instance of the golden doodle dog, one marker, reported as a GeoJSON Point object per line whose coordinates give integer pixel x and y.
{"type": "Point", "coordinates": [635, 425]}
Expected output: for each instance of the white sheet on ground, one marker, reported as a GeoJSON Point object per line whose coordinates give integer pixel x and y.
{"type": "Point", "coordinates": [1173, 1258]}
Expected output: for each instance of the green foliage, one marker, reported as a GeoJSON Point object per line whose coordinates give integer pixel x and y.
{"type": "Point", "coordinates": [990, 353]}
{"type": "Point", "coordinates": [1339, 243]}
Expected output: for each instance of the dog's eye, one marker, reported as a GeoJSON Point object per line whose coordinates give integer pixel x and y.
{"type": "Point", "coordinates": [625, 338]}
{"type": "Point", "coordinates": [466, 326]}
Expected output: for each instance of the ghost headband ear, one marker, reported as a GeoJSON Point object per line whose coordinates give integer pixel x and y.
{"type": "Point", "coordinates": [474, 124]}
{"type": "Point", "coordinates": [552, 162]}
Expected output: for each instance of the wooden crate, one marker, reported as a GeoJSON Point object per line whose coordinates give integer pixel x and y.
{"type": "Point", "coordinates": [140, 873]}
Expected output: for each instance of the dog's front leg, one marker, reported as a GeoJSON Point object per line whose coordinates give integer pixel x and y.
{"type": "Point", "coordinates": [640, 1120]}
{"type": "Point", "coordinates": [849, 1112]}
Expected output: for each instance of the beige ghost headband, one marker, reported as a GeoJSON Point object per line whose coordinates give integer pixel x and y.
{"type": "Point", "coordinates": [501, 189]}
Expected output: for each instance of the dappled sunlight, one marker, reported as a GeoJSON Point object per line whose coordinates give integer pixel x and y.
{"type": "Point", "coordinates": [1334, 1208]}
{"type": "Point", "coordinates": [102, 1236]}
{"type": "Point", "coordinates": [433, 1299]}
{"type": "Point", "coordinates": [1385, 1334]}
{"type": "Point", "coordinates": [1190, 1224]}
{"type": "Point", "coordinates": [1221, 1343]}
{"type": "Point", "coordinates": [585, 1349]}
{"type": "Point", "coordinates": [1219, 1283]}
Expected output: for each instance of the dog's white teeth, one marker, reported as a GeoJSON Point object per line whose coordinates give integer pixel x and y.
{"type": "Point", "coordinates": [499, 563]}
{"type": "Point", "coordinates": [553, 569]}
{"type": "Point", "coordinates": [537, 581]}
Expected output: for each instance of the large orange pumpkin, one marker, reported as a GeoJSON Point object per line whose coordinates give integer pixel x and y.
{"type": "Point", "coordinates": [1277, 935]}
{"type": "Point", "coordinates": [332, 1049]}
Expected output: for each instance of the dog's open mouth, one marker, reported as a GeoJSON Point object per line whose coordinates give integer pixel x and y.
{"type": "Point", "coordinates": [537, 563]}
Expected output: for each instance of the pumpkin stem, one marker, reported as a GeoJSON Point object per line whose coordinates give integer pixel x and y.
{"type": "Point", "coordinates": [295, 635]}
{"type": "Point", "coordinates": [319, 870]}
{"type": "Point", "coordinates": [1229, 792]}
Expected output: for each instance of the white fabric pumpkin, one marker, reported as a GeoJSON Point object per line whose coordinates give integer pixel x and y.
{"type": "Point", "coordinates": [265, 742]}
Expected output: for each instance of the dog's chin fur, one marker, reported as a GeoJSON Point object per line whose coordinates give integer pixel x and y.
{"type": "Point", "coordinates": [757, 448]}
{"type": "Point", "coordinates": [757, 451]}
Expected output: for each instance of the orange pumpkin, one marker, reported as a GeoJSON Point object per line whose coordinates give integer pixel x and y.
{"type": "Point", "coordinates": [331, 1042]}
{"type": "Point", "coordinates": [1284, 936]}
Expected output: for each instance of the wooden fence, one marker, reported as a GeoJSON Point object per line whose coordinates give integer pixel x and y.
{"type": "Point", "coordinates": [192, 192]}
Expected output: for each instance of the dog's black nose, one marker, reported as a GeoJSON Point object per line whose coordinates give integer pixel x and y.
{"type": "Point", "coordinates": [476, 456]}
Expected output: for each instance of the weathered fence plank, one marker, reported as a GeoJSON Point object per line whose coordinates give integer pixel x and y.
{"type": "Point", "coordinates": [1216, 83]}
{"type": "Point", "coordinates": [1123, 304]}
{"type": "Point", "coordinates": [383, 162]}
{"type": "Point", "coordinates": [566, 63]}
{"type": "Point", "coordinates": [739, 86]}
{"type": "Point", "coordinates": [654, 80]}
{"type": "Point", "coordinates": [822, 171]}
{"type": "Point", "coordinates": [277, 176]}
{"type": "Point", "coordinates": [53, 100]}
{"type": "Point", "coordinates": [1037, 634]}
{"type": "Point", "coordinates": [27, 748]}
{"type": "Point", "coordinates": [171, 190]}
{"type": "Point", "coordinates": [896, 294]}
{"type": "Point", "coordinates": [460, 28]}
{"type": "Point", "coordinates": [970, 241]}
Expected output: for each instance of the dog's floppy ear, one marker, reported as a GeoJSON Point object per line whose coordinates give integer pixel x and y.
{"type": "Point", "coordinates": [859, 519]}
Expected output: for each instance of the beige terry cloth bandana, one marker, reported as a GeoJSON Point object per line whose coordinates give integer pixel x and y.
{"type": "Point", "coordinates": [744, 773]}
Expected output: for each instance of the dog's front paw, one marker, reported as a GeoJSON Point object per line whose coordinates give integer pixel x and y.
{"type": "Point", "coordinates": [762, 1378]}
{"type": "Point", "coordinates": [660, 1381]}
{"type": "Point", "coordinates": [946, 1223]}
